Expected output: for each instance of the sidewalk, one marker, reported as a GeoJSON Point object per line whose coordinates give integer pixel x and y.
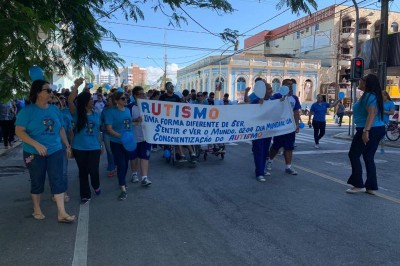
{"type": "Point", "coordinates": [345, 135]}
{"type": "Point", "coordinates": [3, 151]}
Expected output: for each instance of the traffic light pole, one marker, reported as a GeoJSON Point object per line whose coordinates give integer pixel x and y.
{"type": "Point", "coordinates": [353, 84]}
{"type": "Point", "coordinates": [383, 43]}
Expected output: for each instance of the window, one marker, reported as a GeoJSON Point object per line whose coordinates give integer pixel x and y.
{"type": "Point", "coordinates": [307, 29]}
{"type": "Point", "coordinates": [395, 27]}
{"type": "Point", "coordinates": [345, 50]}
{"type": "Point", "coordinates": [298, 35]}
{"type": "Point", "coordinates": [316, 27]}
{"type": "Point", "coordinates": [283, 38]}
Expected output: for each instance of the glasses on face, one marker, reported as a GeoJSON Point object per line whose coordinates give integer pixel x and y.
{"type": "Point", "coordinates": [123, 98]}
{"type": "Point", "coordinates": [199, 96]}
{"type": "Point", "coordinates": [48, 90]}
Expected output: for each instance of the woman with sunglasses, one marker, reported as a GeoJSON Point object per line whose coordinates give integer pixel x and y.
{"type": "Point", "coordinates": [118, 120]}
{"type": "Point", "coordinates": [40, 127]}
{"type": "Point", "coordinates": [87, 145]}
{"type": "Point", "coordinates": [368, 117]}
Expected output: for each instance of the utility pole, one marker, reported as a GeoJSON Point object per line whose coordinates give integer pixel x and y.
{"type": "Point", "coordinates": [354, 83]}
{"type": "Point", "coordinates": [383, 43]}
{"type": "Point", "coordinates": [165, 60]}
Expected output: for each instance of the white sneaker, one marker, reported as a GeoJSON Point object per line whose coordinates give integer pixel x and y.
{"type": "Point", "coordinates": [269, 166]}
{"type": "Point", "coordinates": [146, 182]}
{"type": "Point", "coordinates": [266, 173]}
{"type": "Point", "coordinates": [135, 178]}
{"type": "Point", "coordinates": [261, 178]}
{"type": "Point", "coordinates": [316, 146]}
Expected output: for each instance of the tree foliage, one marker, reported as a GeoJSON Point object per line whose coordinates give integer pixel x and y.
{"type": "Point", "coordinates": [58, 34]}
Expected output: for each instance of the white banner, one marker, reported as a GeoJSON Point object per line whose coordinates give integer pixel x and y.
{"type": "Point", "coordinates": [182, 123]}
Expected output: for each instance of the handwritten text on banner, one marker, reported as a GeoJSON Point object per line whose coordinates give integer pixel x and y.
{"type": "Point", "coordinates": [182, 123]}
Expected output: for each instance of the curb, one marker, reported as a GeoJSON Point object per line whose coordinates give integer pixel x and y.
{"type": "Point", "coordinates": [5, 151]}
{"type": "Point", "coordinates": [345, 136]}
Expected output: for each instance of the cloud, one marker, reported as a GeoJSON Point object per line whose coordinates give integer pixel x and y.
{"type": "Point", "coordinates": [154, 73]}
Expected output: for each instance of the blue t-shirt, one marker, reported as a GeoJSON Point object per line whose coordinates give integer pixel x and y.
{"type": "Point", "coordinates": [387, 106]}
{"type": "Point", "coordinates": [120, 121]}
{"type": "Point", "coordinates": [42, 125]}
{"type": "Point", "coordinates": [360, 113]}
{"type": "Point", "coordinates": [293, 99]}
{"type": "Point", "coordinates": [319, 110]}
{"type": "Point", "coordinates": [88, 138]}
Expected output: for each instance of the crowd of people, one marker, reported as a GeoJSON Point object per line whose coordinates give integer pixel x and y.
{"type": "Point", "coordinates": [56, 126]}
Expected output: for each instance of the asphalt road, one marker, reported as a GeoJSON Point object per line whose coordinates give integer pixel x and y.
{"type": "Point", "coordinates": [214, 214]}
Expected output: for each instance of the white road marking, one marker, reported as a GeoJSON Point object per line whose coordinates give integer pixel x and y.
{"type": "Point", "coordinates": [81, 238]}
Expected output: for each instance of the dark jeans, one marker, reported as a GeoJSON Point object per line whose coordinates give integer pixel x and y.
{"type": "Point", "coordinates": [357, 149]}
{"type": "Point", "coordinates": [7, 130]}
{"type": "Point", "coordinates": [260, 154]}
{"type": "Point", "coordinates": [51, 164]}
{"type": "Point", "coordinates": [121, 159]}
{"type": "Point", "coordinates": [319, 130]}
{"type": "Point", "coordinates": [88, 164]}
{"type": "Point", "coordinates": [340, 116]}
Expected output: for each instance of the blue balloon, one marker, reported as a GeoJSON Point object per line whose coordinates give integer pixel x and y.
{"type": "Point", "coordinates": [341, 95]}
{"type": "Point", "coordinates": [128, 140]}
{"type": "Point", "coordinates": [35, 73]}
{"type": "Point", "coordinates": [107, 86]}
{"type": "Point", "coordinates": [90, 85]}
{"type": "Point", "coordinates": [167, 153]}
{"type": "Point", "coordinates": [301, 125]}
{"type": "Point", "coordinates": [253, 97]}
{"type": "Point", "coordinates": [120, 89]}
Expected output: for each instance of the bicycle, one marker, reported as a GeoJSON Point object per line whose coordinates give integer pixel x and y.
{"type": "Point", "coordinates": [393, 131]}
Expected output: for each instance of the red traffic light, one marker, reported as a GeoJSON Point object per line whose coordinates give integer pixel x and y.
{"type": "Point", "coordinates": [358, 63]}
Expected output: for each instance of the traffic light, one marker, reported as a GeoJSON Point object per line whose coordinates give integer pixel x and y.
{"type": "Point", "coordinates": [357, 68]}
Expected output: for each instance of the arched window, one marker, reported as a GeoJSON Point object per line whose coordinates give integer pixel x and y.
{"type": "Point", "coordinates": [276, 84]}
{"type": "Point", "coordinates": [219, 84]}
{"type": "Point", "coordinates": [395, 27]}
{"type": "Point", "coordinates": [241, 84]}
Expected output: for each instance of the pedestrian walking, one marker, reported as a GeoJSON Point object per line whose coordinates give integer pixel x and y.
{"type": "Point", "coordinates": [340, 112]}
{"type": "Point", "coordinates": [318, 112]}
{"type": "Point", "coordinates": [370, 129]}
{"type": "Point", "coordinates": [7, 123]}
{"type": "Point", "coordinates": [388, 109]}
{"type": "Point", "coordinates": [118, 120]}
{"type": "Point", "coordinates": [39, 127]}
{"type": "Point", "coordinates": [87, 144]}
{"type": "Point", "coordinates": [106, 137]}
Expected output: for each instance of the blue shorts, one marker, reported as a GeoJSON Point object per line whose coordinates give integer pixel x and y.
{"type": "Point", "coordinates": [142, 151]}
{"type": "Point", "coordinates": [286, 141]}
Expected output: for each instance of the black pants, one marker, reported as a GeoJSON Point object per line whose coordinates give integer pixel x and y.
{"type": "Point", "coordinates": [340, 116]}
{"type": "Point", "coordinates": [88, 164]}
{"type": "Point", "coordinates": [7, 130]}
{"type": "Point", "coordinates": [319, 130]}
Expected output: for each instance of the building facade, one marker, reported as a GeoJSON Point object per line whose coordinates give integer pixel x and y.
{"type": "Point", "coordinates": [132, 75]}
{"type": "Point", "coordinates": [232, 74]}
{"type": "Point", "coordinates": [105, 77]}
{"type": "Point", "coordinates": [327, 35]}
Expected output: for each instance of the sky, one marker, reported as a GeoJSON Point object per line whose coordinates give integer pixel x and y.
{"type": "Point", "coordinates": [142, 41]}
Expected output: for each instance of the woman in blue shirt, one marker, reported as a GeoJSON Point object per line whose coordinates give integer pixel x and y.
{"type": "Point", "coordinates": [318, 109]}
{"type": "Point", "coordinates": [368, 117]}
{"type": "Point", "coordinates": [86, 145]}
{"type": "Point", "coordinates": [39, 126]}
{"type": "Point", "coordinates": [388, 109]}
{"type": "Point", "coordinates": [118, 120]}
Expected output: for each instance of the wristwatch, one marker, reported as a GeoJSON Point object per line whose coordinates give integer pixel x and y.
{"type": "Point", "coordinates": [365, 130]}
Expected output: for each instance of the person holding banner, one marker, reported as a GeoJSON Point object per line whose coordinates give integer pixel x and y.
{"type": "Point", "coordinates": [286, 141]}
{"type": "Point", "coordinates": [260, 147]}
{"type": "Point", "coordinates": [318, 110]}
{"type": "Point", "coordinates": [142, 152]}
{"type": "Point", "coordinates": [118, 121]}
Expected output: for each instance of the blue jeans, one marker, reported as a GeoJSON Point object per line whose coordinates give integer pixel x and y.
{"type": "Point", "coordinates": [357, 149]}
{"type": "Point", "coordinates": [260, 154]}
{"type": "Point", "coordinates": [51, 164]}
{"type": "Point", "coordinates": [110, 157]}
{"type": "Point", "coordinates": [65, 165]}
{"type": "Point", "coordinates": [121, 157]}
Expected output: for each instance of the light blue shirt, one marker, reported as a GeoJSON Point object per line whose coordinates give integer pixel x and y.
{"type": "Point", "coordinates": [43, 125]}
{"type": "Point", "coordinates": [319, 110]}
{"type": "Point", "coordinates": [88, 138]}
{"type": "Point", "coordinates": [360, 113]}
{"type": "Point", "coordinates": [387, 106]}
{"type": "Point", "coordinates": [121, 121]}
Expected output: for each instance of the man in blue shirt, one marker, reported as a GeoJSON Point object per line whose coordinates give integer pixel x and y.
{"type": "Point", "coordinates": [318, 109]}
{"type": "Point", "coordinates": [286, 141]}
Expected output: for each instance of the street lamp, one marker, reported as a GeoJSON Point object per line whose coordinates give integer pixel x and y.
{"type": "Point", "coordinates": [236, 44]}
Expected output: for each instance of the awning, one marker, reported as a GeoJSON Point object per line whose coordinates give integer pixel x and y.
{"type": "Point", "coordinates": [347, 44]}
{"type": "Point", "coordinates": [365, 20]}
{"type": "Point", "coordinates": [347, 17]}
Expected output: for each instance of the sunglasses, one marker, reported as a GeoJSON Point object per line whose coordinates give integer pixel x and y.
{"type": "Point", "coordinates": [122, 98]}
{"type": "Point", "coordinates": [199, 95]}
{"type": "Point", "coordinates": [48, 90]}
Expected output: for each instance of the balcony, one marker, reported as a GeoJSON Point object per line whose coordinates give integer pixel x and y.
{"type": "Point", "coordinates": [347, 33]}
{"type": "Point", "coordinates": [345, 60]}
